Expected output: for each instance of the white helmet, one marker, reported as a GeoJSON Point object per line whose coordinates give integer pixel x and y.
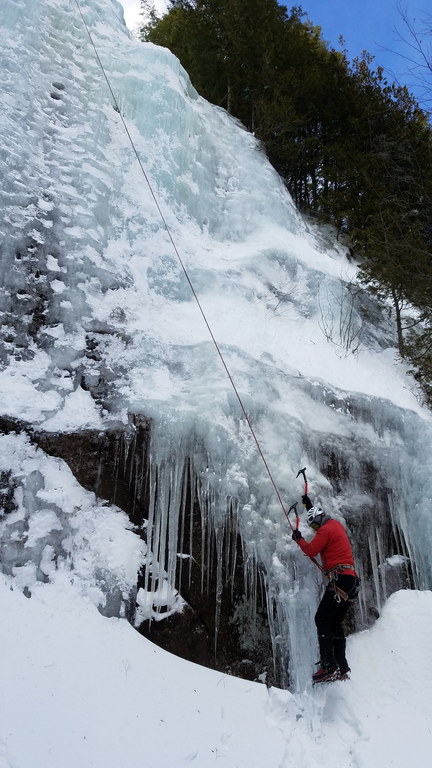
{"type": "Point", "coordinates": [314, 516]}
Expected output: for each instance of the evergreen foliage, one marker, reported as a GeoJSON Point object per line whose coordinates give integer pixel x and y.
{"type": "Point", "coordinates": [353, 149]}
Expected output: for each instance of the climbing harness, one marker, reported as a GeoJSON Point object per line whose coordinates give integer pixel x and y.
{"type": "Point", "coordinates": [341, 594]}
{"type": "Point", "coordinates": [339, 567]}
{"type": "Point", "coordinates": [180, 260]}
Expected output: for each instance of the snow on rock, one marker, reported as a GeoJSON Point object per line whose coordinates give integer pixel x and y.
{"type": "Point", "coordinates": [49, 522]}
{"type": "Point", "coordinates": [79, 411]}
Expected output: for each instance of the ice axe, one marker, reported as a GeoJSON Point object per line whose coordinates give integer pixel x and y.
{"type": "Point", "coordinates": [303, 472]}
{"type": "Point", "coordinates": [294, 507]}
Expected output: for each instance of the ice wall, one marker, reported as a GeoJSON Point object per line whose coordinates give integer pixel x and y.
{"type": "Point", "coordinates": [366, 471]}
{"type": "Point", "coordinates": [99, 324]}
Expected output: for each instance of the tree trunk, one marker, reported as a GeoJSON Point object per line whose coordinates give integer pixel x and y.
{"type": "Point", "coordinates": [400, 338]}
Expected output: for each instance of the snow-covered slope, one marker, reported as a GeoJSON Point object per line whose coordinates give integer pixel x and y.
{"type": "Point", "coordinates": [82, 690]}
{"type": "Point", "coordinates": [99, 323]}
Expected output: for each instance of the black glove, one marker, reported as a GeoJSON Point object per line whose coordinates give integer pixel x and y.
{"type": "Point", "coordinates": [307, 502]}
{"type": "Point", "coordinates": [296, 535]}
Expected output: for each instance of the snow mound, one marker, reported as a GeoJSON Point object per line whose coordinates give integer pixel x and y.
{"type": "Point", "coordinates": [89, 691]}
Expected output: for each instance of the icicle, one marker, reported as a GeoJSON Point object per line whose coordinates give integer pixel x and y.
{"type": "Point", "coordinates": [117, 450]}
{"type": "Point", "coordinates": [183, 522]}
{"type": "Point", "coordinates": [232, 524]}
{"type": "Point", "coordinates": [151, 527]}
{"type": "Point", "coordinates": [374, 562]}
{"type": "Point", "coordinates": [191, 518]}
{"type": "Point", "coordinates": [218, 601]}
{"type": "Point", "coordinates": [381, 561]}
{"type": "Point", "coordinates": [362, 598]}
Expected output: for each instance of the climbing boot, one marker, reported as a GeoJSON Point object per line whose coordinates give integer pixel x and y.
{"type": "Point", "coordinates": [326, 674]}
{"type": "Point", "coordinates": [344, 672]}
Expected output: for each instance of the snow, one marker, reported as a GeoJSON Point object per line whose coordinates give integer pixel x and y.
{"type": "Point", "coordinates": [56, 524]}
{"type": "Point", "coordinates": [78, 412]}
{"type": "Point", "coordinates": [99, 326]}
{"type": "Point", "coordinates": [79, 689]}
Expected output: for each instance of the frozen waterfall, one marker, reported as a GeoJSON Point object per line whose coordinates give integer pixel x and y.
{"type": "Point", "coordinates": [100, 330]}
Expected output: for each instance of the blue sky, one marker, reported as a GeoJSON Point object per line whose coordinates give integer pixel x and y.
{"type": "Point", "coordinates": [372, 25]}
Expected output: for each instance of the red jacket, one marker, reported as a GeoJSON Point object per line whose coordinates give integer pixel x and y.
{"type": "Point", "coordinates": [331, 542]}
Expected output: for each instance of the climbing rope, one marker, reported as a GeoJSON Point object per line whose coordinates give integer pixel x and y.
{"type": "Point", "coordinates": [180, 260]}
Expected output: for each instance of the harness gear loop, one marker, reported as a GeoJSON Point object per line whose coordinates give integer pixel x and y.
{"type": "Point", "coordinates": [340, 594]}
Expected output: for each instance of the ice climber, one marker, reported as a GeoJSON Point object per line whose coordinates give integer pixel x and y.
{"type": "Point", "coordinates": [332, 544]}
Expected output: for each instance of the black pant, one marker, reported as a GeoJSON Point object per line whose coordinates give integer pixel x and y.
{"type": "Point", "coordinates": [329, 617]}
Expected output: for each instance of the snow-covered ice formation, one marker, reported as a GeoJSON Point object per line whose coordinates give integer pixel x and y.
{"type": "Point", "coordinates": [99, 324]}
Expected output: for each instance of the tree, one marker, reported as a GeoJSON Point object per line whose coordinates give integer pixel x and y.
{"type": "Point", "coordinates": [416, 36]}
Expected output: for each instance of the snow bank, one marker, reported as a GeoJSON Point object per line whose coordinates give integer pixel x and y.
{"type": "Point", "coordinates": [79, 690]}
